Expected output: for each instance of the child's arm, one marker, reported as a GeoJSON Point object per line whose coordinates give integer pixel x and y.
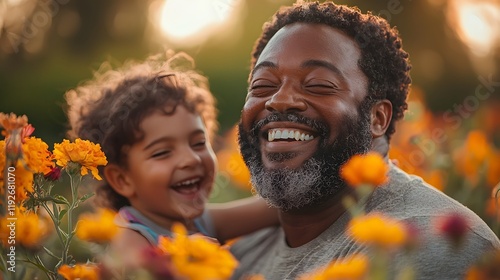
{"type": "Point", "coordinates": [243, 216]}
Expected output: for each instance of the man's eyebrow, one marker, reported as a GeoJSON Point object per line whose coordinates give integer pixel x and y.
{"type": "Point", "coordinates": [263, 64]}
{"type": "Point", "coordinates": [324, 64]}
{"type": "Point", "coordinates": [306, 64]}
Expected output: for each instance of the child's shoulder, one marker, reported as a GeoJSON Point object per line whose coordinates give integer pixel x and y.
{"type": "Point", "coordinates": [128, 245]}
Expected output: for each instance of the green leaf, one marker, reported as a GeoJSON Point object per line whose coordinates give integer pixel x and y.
{"type": "Point", "coordinates": [87, 196]}
{"type": "Point", "coordinates": [62, 213]}
{"type": "Point", "coordinates": [59, 199]}
{"type": "Point", "coordinates": [50, 253]}
{"type": "Point", "coordinates": [55, 210]}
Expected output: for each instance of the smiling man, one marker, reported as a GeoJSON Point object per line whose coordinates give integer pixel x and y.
{"type": "Point", "coordinates": [328, 82]}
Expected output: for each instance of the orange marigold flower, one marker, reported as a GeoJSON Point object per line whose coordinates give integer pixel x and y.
{"type": "Point", "coordinates": [379, 230]}
{"type": "Point", "coordinates": [99, 227]}
{"type": "Point", "coordinates": [79, 272]}
{"type": "Point", "coordinates": [2, 157]}
{"type": "Point", "coordinates": [231, 162]}
{"type": "Point", "coordinates": [474, 273]}
{"type": "Point", "coordinates": [493, 205]}
{"type": "Point", "coordinates": [24, 183]}
{"type": "Point", "coordinates": [350, 268]}
{"type": "Point", "coordinates": [83, 152]}
{"type": "Point", "coordinates": [477, 145]}
{"type": "Point", "coordinates": [493, 172]}
{"type": "Point", "coordinates": [197, 258]}
{"type": "Point", "coordinates": [474, 155]}
{"type": "Point", "coordinates": [365, 169]}
{"type": "Point", "coordinates": [37, 155]}
{"type": "Point", "coordinates": [30, 229]}
{"type": "Point", "coordinates": [12, 122]}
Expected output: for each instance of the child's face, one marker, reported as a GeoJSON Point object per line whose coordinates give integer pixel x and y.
{"type": "Point", "coordinates": [172, 169]}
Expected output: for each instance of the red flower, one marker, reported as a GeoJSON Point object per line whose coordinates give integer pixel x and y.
{"type": "Point", "coordinates": [454, 226]}
{"type": "Point", "coordinates": [54, 174]}
{"type": "Point", "coordinates": [157, 263]}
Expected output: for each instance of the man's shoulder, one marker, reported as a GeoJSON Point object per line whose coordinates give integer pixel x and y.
{"type": "Point", "coordinates": [409, 198]}
{"type": "Point", "coordinates": [415, 196]}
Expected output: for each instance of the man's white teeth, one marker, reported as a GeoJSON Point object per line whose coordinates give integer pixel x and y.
{"type": "Point", "coordinates": [274, 134]}
{"type": "Point", "coordinates": [186, 183]}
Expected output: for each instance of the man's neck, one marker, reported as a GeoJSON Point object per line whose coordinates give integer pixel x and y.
{"type": "Point", "coordinates": [304, 226]}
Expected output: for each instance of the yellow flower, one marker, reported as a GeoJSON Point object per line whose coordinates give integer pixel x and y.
{"type": "Point", "coordinates": [37, 155]}
{"type": "Point", "coordinates": [30, 229]}
{"type": "Point", "coordinates": [377, 229]}
{"type": "Point", "coordinates": [365, 169]}
{"type": "Point", "coordinates": [350, 268]}
{"type": "Point", "coordinates": [83, 152]}
{"type": "Point", "coordinates": [98, 228]}
{"type": "Point", "coordinates": [79, 272]}
{"type": "Point", "coordinates": [195, 257]}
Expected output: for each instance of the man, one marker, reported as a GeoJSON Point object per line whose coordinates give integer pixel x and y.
{"type": "Point", "coordinates": [326, 83]}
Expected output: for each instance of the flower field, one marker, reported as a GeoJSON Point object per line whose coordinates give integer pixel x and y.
{"type": "Point", "coordinates": [59, 235]}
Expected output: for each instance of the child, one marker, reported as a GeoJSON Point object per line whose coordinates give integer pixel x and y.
{"type": "Point", "coordinates": [155, 122]}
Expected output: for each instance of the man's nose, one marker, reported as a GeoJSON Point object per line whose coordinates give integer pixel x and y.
{"type": "Point", "coordinates": [287, 98]}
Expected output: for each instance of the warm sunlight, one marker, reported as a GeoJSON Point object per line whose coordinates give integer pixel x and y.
{"type": "Point", "coordinates": [477, 25]}
{"type": "Point", "coordinates": [185, 19]}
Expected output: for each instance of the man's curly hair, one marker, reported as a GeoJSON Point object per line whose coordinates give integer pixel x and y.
{"type": "Point", "coordinates": [383, 59]}
{"type": "Point", "coordinates": [110, 108]}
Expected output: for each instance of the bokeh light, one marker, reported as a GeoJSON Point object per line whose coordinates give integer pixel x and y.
{"type": "Point", "coordinates": [477, 24]}
{"type": "Point", "coordinates": [194, 20]}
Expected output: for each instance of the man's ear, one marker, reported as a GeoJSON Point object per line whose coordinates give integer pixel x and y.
{"type": "Point", "coordinates": [119, 181]}
{"type": "Point", "coordinates": [381, 115]}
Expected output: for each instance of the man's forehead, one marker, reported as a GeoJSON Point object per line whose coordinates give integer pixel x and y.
{"type": "Point", "coordinates": [300, 42]}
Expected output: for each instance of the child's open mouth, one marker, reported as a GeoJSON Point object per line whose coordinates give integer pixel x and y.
{"type": "Point", "coordinates": [187, 187]}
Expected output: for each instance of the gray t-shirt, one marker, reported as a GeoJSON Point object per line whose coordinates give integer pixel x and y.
{"type": "Point", "coordinates": [406, 198]}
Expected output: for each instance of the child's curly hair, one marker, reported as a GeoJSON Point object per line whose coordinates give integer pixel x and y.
{"type": "Point", "coordinates": [110, 108]}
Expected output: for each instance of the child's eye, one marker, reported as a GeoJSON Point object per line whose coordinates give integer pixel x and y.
{"type": "Point", "coordinates": [160, 154]}
{"type": "Point", "coordinates": [201, 143]}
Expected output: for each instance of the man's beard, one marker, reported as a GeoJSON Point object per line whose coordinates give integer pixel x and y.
{"type": "Point", "coordinates": [318, 179]}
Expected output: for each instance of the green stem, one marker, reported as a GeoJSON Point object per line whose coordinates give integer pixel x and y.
{"type": "Point", "coordinates": [49, 274]}
{"type": "Point", "coordinates": [3, 268]}
{"type": "Point", "coordinates": [72, 206]}
{"type": "Point", "coordinates": [55, 221]}
{"type": "Point", "coordinates": [380, 264]}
